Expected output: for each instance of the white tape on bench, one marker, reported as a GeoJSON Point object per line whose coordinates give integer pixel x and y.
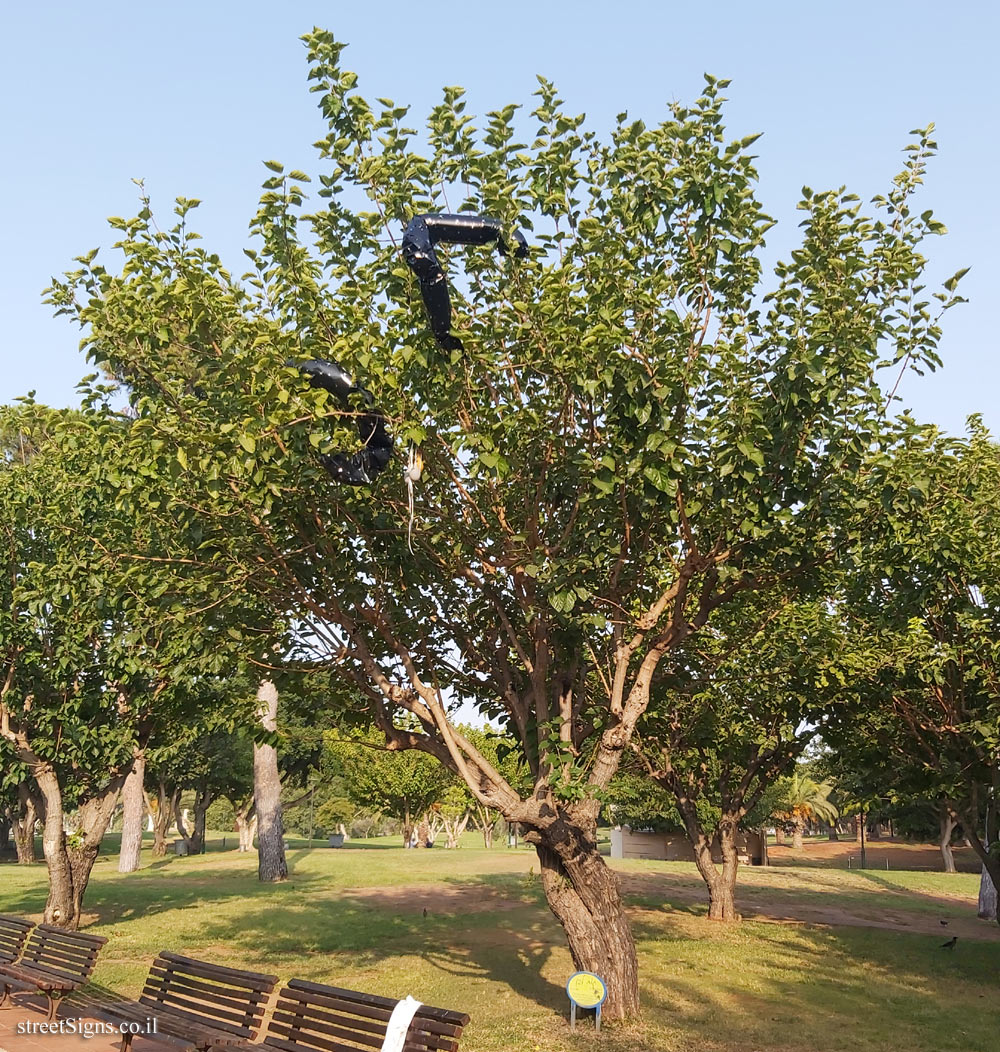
{"type": "Point", "coordinates": [399, 1024]}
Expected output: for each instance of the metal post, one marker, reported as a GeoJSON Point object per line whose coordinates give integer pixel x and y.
{"type": "Point", "coordinates": [572, 1015]}
{"type": "Point", "coordinates": [597, 1020]}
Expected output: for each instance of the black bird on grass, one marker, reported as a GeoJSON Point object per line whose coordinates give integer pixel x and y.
{"type": "Point", "coordinates": [945, 923]}
{"type": "Point", "coordinates": [950, 944]}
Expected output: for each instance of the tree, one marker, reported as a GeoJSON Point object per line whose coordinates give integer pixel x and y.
{"type": "Point", "coordinates": [403, 784]}
{"type": "Point", "coordinates": [271, 864]}
{"type": "Point", "coordinates": [628, 441]}
{"type": "Point", "coordinates": [738, 707]}
{"type": "Point", "coordinates": [801, 800]}
{"type": "Point", "coordinates": [926, 601]}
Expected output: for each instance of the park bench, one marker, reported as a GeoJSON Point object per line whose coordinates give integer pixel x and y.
{"type": "Point", "coordinates": [54, 962]}
{"type": "Point", "coordinates": [195, 1005]}
{"type": "Point", "coordinates": [310, 1017]}
{"type": "Point", "coordinates": [13, 933]}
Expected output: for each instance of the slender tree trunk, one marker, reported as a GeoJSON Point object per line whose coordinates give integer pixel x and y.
{"type": "Point", "coordinates": [166, 804]}
{"type": "Point", "coordinates": [987, 897]}
{"type": "Point", "coordinates": [6, 826]}
{"type": "Point", "coordinates": [133, 801]}
{"type": "Point", "coordinates": [859, 821]}
{"type": "Point", "coordinates": [944, 840]}
{"type": "Point", "coordinates": [584, 895]}
{"type": "Point", "coordinates": [246, 823]}
{"type": "Point", "coordinates": [779, 835]}
{"type": "Point", "coordinates": [271, 864]}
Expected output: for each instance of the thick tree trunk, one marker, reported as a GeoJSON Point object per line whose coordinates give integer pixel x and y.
{"type": "Point", "coordinates": [271, 864]}
{"type": "Point", "coordinates": [584, 896]}
{"type": "Point", "coordinates": [133, 801]}
{"type": "Point", "coordinates": [721, 882]}
{"type": "Point", "coordinates": [944, 840]}
{"type": "Point", "coordinates": [70, 867]}
{"type": "Point", "coordinates": [779, 835]}
{"type": "Point", "coordinates": [798, 833]}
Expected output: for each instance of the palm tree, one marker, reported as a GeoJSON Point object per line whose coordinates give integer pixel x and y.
{"type": "Point", "coordinates": [805, 798]}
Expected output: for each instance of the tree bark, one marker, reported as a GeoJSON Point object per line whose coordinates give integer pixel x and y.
{"type": "Point", "coordinates": [70, 866]}
{"type": "Point", "coordinates": [133, 801]}
{"type": "Point", "coordinates": [584, 896]}
{"type": "Point", "coordinates": [798, 832]}
{"type": "Point", "coordinates": [987, 897]}
{"type": "Point", "coordinates": [28, 813]}
{"type": "Point", "coordinates": [858, 824]}
{"type": "Point", "coordinates": [246, 823]}
{"type": "Point", "coordinates": [166, 804]}
{"type": "Point", "coordinates": [944, 840]}
{"type": "Point", "coordinates": [721, 882]}
{"type": "Point", "coordinates": [779, 835]}
{"type": "Point", "coordinates": [6, 825]}
{"type": "Point", "coordinates": [271, 864]}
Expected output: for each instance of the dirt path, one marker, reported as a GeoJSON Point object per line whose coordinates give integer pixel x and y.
{"type": "Point", "coordinates": [758, 904]}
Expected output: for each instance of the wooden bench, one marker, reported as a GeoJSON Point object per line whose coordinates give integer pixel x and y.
{"type": "Point", "coordinates": [194, 1004]}
{"type": "Point", "coordinates": [13, 933]}
{"type": "Point", "coordinates": [54, 962]}
{"type": "Point", "coordinates": [310, 1017]}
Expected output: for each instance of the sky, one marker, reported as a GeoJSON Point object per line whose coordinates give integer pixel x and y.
{"type": "Point", "coordinates": [193, 97]}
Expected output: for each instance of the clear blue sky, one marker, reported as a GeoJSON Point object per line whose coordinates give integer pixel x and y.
{"type": "Point", "coordinates": [193, 96]}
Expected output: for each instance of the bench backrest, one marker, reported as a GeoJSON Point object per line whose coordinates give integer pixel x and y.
{"type": "Point", "coordinates": [70, 954]}
{"type": "Point", "coordinates": [313, 1017]}
{"type": "Point", "coordinates": [13, 932]}
{"type": "Point", "coordinates": [225, 998]}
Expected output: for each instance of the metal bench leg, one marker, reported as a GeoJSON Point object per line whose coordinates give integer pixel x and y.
{"type": "Point", "coordinates": [126, 1043]}
{"type": "Point", "coordinates": [53, 1000]}
{"type": "Point", "coordinates": [6, 1001]}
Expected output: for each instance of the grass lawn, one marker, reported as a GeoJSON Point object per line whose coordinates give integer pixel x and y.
{"type": "Point", "coordinates": [489, 946]}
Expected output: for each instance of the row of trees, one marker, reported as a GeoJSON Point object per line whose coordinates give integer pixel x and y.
{"type": "Point", "coordinates": [668, 524]}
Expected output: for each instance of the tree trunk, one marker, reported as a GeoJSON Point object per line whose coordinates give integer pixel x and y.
{"type": "Point", "coordinates": [584, 896]}
{"type": "Point", "coordinates": [6, 825]}
{"type": "Point", "coordinates": [70, 867]}
{"type": "Point", "coordinates": [987, 897]}
{"type": "Point", "coordinates": [798, 831]}
{"type": "Point", "coordinates": [271, 864]}
{"type": "Point", "coordinates": [944, 840]}
{"type": "Point", "coordinates": [246, 823]}
{"type": "Point", "coordinates": [858, 825]}
{"type": "Point", "coordinates": [721, 883]}
{"type": "Point", "coordinates": [779, 835]}
{"type": "Point", "coordinates": [166, 804]}
{"type": "Point", "coordinates": [27, 815]}
{"type": "Point", "coordinates": [134, 805]}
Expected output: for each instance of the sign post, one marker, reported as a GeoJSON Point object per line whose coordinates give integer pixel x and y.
{"type": "Point", "coordinates": [586, 990]}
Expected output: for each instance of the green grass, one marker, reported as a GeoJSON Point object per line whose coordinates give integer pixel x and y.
{"type": "Point", "coordinates": [488, 945]}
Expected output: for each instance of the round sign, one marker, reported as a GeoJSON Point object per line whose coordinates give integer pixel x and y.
{"type": "Point", "coordinates": [586, 990]}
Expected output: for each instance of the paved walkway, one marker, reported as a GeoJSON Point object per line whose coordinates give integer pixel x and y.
{"type": "Point", "coordinates": [30, 1012]}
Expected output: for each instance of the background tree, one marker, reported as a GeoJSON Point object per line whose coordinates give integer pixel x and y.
{"type": "Point", "coordinates": [732, 713]}
{"type": "Point", "coordinates": [926, 600]}
{"type": "Point", "coordinates": [626, 444]}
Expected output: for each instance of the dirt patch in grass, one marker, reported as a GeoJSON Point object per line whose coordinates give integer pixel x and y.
{"type": "Point", "coordinates": [439, 898]}
{"type": "Point", "coordinates": [900, 854]}
{"type": "Point", "coordinates": [448, 900]}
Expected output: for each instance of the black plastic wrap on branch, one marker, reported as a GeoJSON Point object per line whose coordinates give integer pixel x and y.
{"type": "Point", "coordinates": [422, 234]}
{"type": "Point", "coordinates": [355, 469]}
